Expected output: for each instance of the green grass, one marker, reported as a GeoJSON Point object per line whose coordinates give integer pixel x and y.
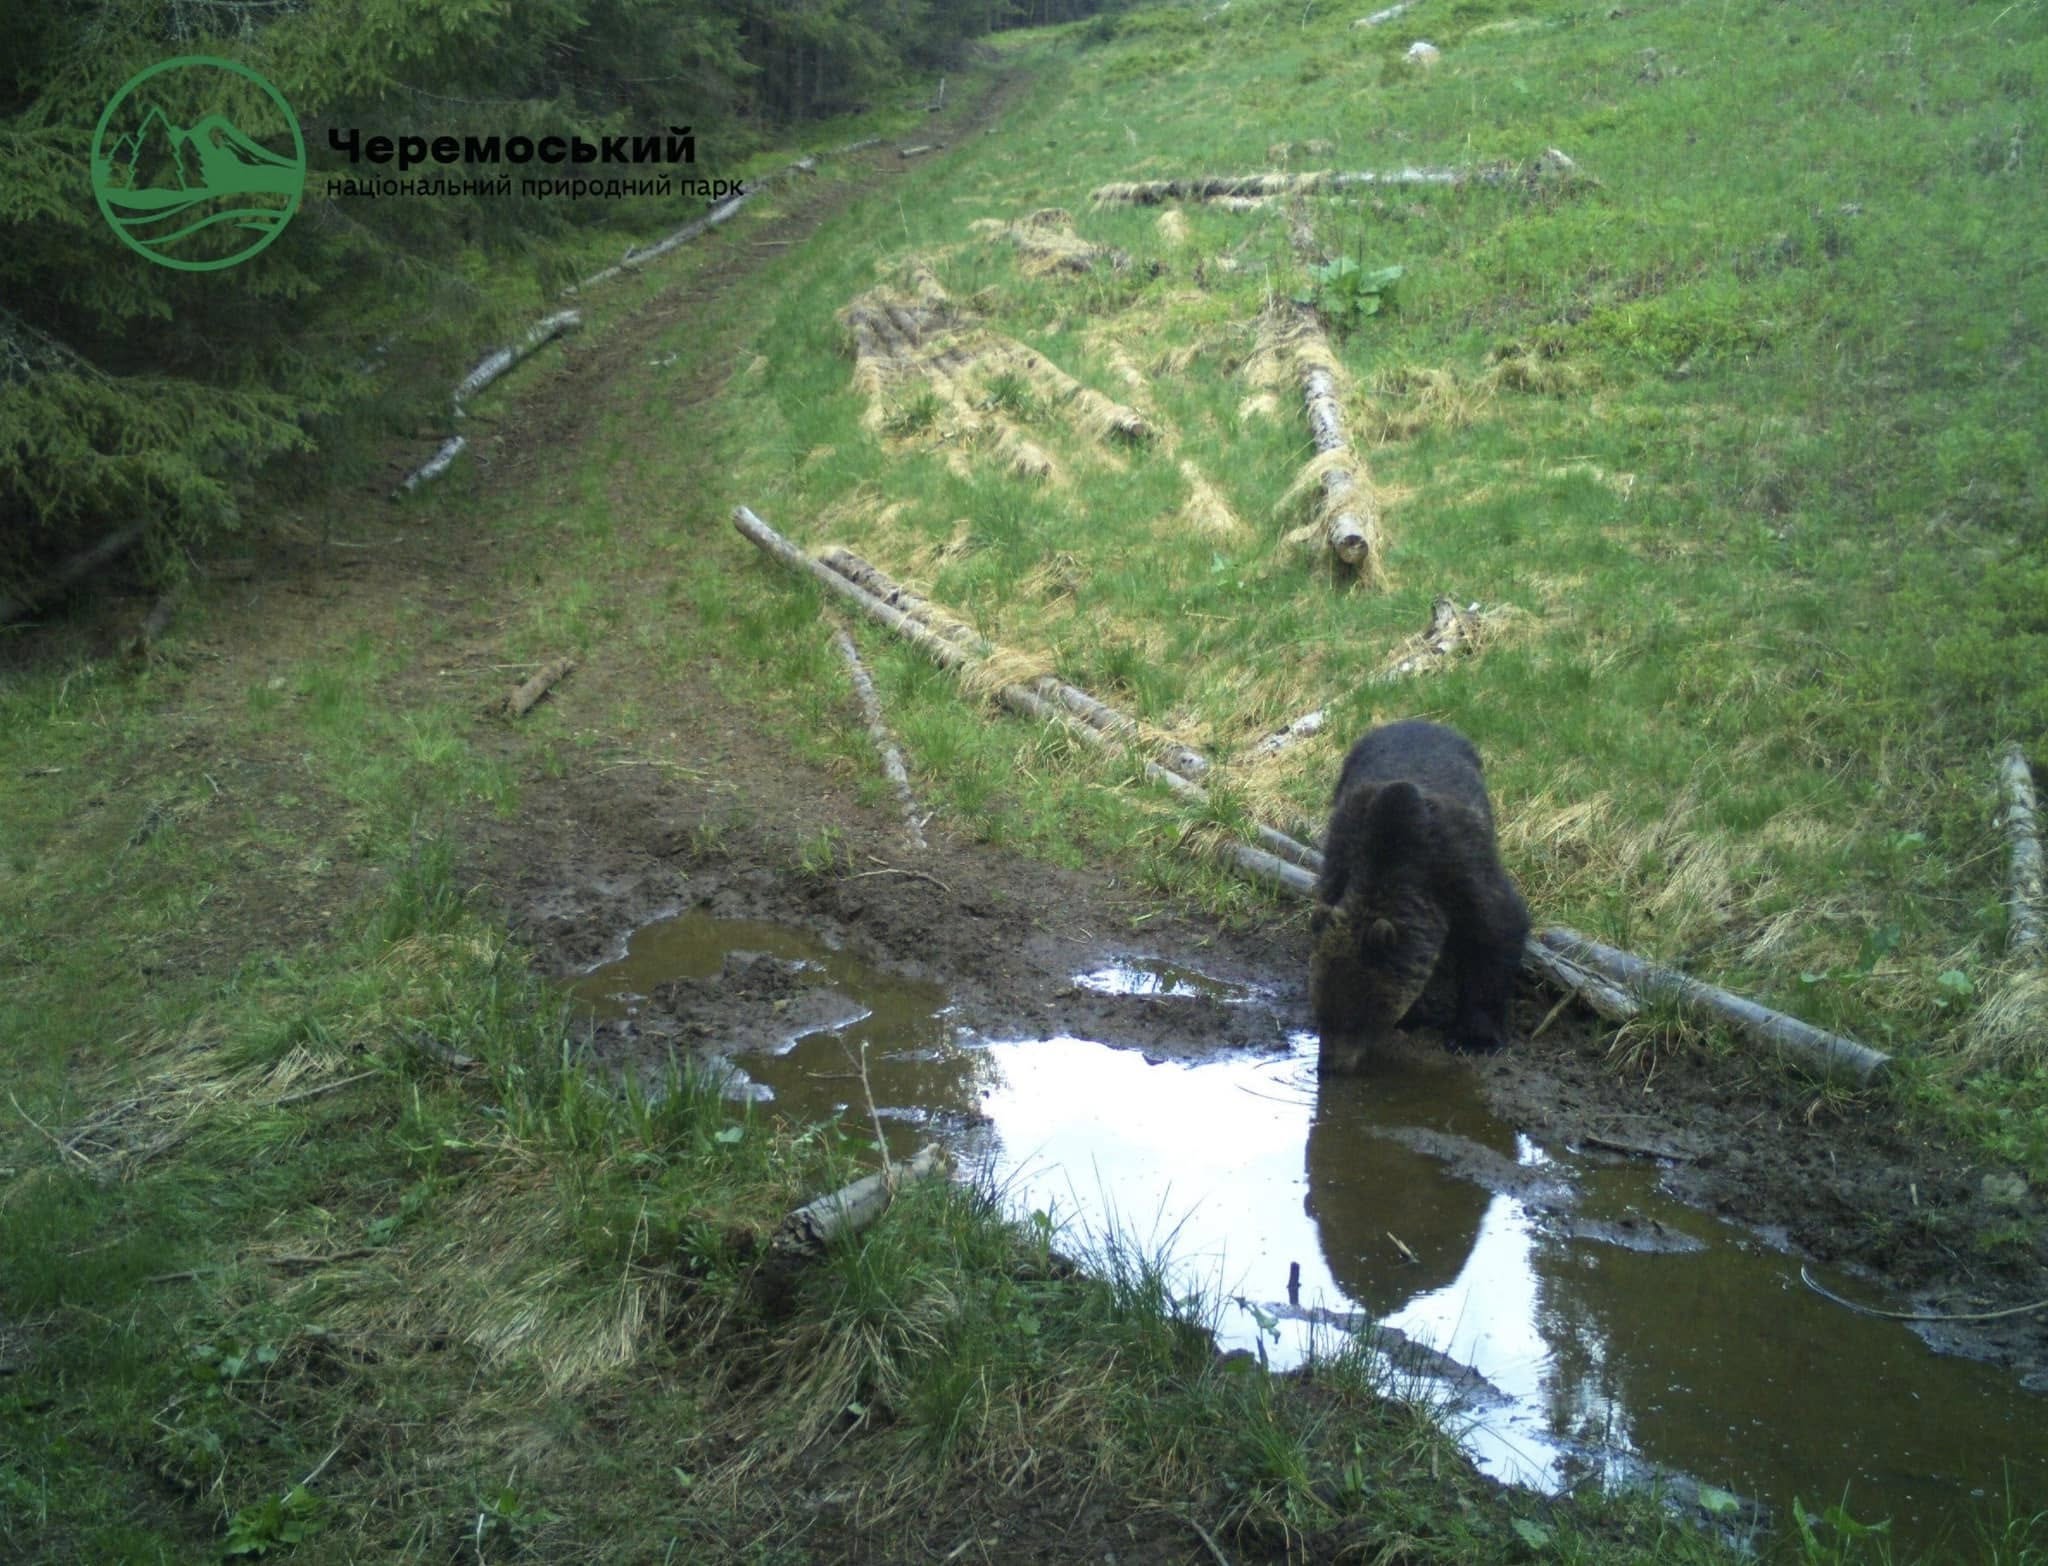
{"type": "Point", "coordinates": [1763, 473]}
{"type": "Point", "coordinates": [359, 1261]}
{"type": "Point", "coordinates": [1748, 429]}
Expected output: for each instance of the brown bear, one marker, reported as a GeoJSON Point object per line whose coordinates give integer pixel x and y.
{"type": "Point", "coordinates": [1416, 920]}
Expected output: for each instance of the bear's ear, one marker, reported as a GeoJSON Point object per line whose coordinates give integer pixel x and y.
{"type": "Point", "coordinates": [1381, 935]}
{"type": "Point", "coordinates": [1398, 820]}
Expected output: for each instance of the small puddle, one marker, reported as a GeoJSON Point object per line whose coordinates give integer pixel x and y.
{"type": "Point", "coordinates": [1593, 1327]}
{"type": "Point", "coordinates": [1147, 976]}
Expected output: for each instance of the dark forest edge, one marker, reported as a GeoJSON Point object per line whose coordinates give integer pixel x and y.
{"type": "Point", "coordinates": [143, 403]}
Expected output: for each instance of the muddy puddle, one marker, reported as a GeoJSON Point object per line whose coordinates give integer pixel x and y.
{"type": "Point", "coordinates": [1577, 1322]}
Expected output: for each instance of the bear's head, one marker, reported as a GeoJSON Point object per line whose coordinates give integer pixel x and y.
{"type": "Point", "coordinates": [1375, 949]}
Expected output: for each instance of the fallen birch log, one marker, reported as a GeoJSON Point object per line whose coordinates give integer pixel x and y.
{"type": "Point", "coordinates": [632, 260]}
{"type": "Point", "coordinates": [523, 700]}
{"type": "Point", "coordinates": [1301, 728]}
{"type": "Point", "coordinates": [1830, 1053]}
{"type": "Point", "coordinates": [1615, 983]}
{"type": "Point", "coordinates": [1188, 763]}
{"type": "Point", "coordinates": [1260, 187]}
{"type": "Point", "coordinates": [878, 731]}
{"type": "Point", "coordinates": [1451, 630]}
{"type": "Point", "coordinates": [1349, 521]}
{"type": "Point", "coordinates": [434, 466]}
{"type": "Point", "coordinates": [806, 1232]}
{"type": "Point", "coordinates": [495, 364]}
{"type": "Point", "coordinates": [952, 655]}
{"type": "Point", "coordinates": [1553, 164]}
{"type": "Point", "coordinates": [492, 367]}
{"type": "Point", "coordinates": [1608, 980]}
{"type": "Point", "coordinates": [2026, 895]}
{"type": "Point", "coordinates": [912, 152]}
{"type": "Point", "coordinates": [803, 1236]}
{"type": "Point", "coordinates": [1608, 999]}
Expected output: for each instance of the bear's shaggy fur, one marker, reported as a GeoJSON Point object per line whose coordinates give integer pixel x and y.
{"type": "Point", "coordinates": [1416, 920]}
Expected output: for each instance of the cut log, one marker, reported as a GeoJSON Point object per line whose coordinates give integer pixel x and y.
{"type": "Point", "coordinates": [434, 466]}
{"type": "Point", "coordinates": [522, 701]}
{"type": "Point", "coordinates": [804, 1235]}
{"type": "Point", "coordinates": [878, 731]}
{"type": "Point", "coordinates": [635, 259]}
{"type": "Point", "coordinates": [952, 655]}
{"type": "Point", "coordinates": [1615, 983]}
{"type": "Point", "coordinates": [1300, 729]}
{"type": "Point", "coordinates": [494, 365]}
{"type": "Point", "coordinates": [1347, 506]}
{"type": "Point", "coordinates": [1098, 715]}
{"type": "Point", "coordinates": [1552, 165]}
{"type": "Point", "coordinates": [806, 1232]}
{"type": "Point", "coordinates": [1451, 631]}
{"type": "Point", "coordinates": [1604, 997]}
{"type": "Point", "coordinates": [1610, 981]}
{"type": "Point", "coordinates": [1260, 187]}
{"type": "Point", "coordinates": [1830, 1053]}
{"type": "Point", "coordinates": [2026, 894]}
{"type": "Point", "coordinates": [918, 151]}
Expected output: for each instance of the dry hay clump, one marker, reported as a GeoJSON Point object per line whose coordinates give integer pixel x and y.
{"type": "Point", "coordinates": [1101, 419]}
{"type": "Point", "coordinates": [1172, 226]}
{"type": "Point", "coordinates": [1124, 367]}
{"type": "Point", "coordinates": [925, 365]}
{"type": "Point", "coordinates": [1423, 398]}
{"type": "Point", "coordinates": [1048, 243]}
{"type": "Point", "coordinates": [913, 356]}
{"type": "Point", "coordinates": [1205, 511]}
{"type": "Point", "coordinates": [892, 332]}
{"type": "Point", "coordinates": [1683, 876]}
{"type": "Point", "coordinates": [1541, 371]}
{"type": "Point", "coordinates": [1275, 785]}
{"type": "Point", "coordinates": [2010, 1030]}
{"type": "Point", "coordinates": [1059, 575]}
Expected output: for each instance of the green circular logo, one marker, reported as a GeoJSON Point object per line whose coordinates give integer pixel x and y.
{"type": "Point", "coordinates": [180, 168]}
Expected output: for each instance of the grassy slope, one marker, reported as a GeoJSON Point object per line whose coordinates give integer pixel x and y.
{"type": "Point", "coordinates": [1736, 681]}
{"type": "Point", "coordinates": [1773, 504]}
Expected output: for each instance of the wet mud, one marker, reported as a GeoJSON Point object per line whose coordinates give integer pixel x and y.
{"type": "Point", "coordinates": [1147, 1082]}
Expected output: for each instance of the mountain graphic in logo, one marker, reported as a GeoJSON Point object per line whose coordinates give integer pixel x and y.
{"type": "Point", "coordinates": [206, 193]}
